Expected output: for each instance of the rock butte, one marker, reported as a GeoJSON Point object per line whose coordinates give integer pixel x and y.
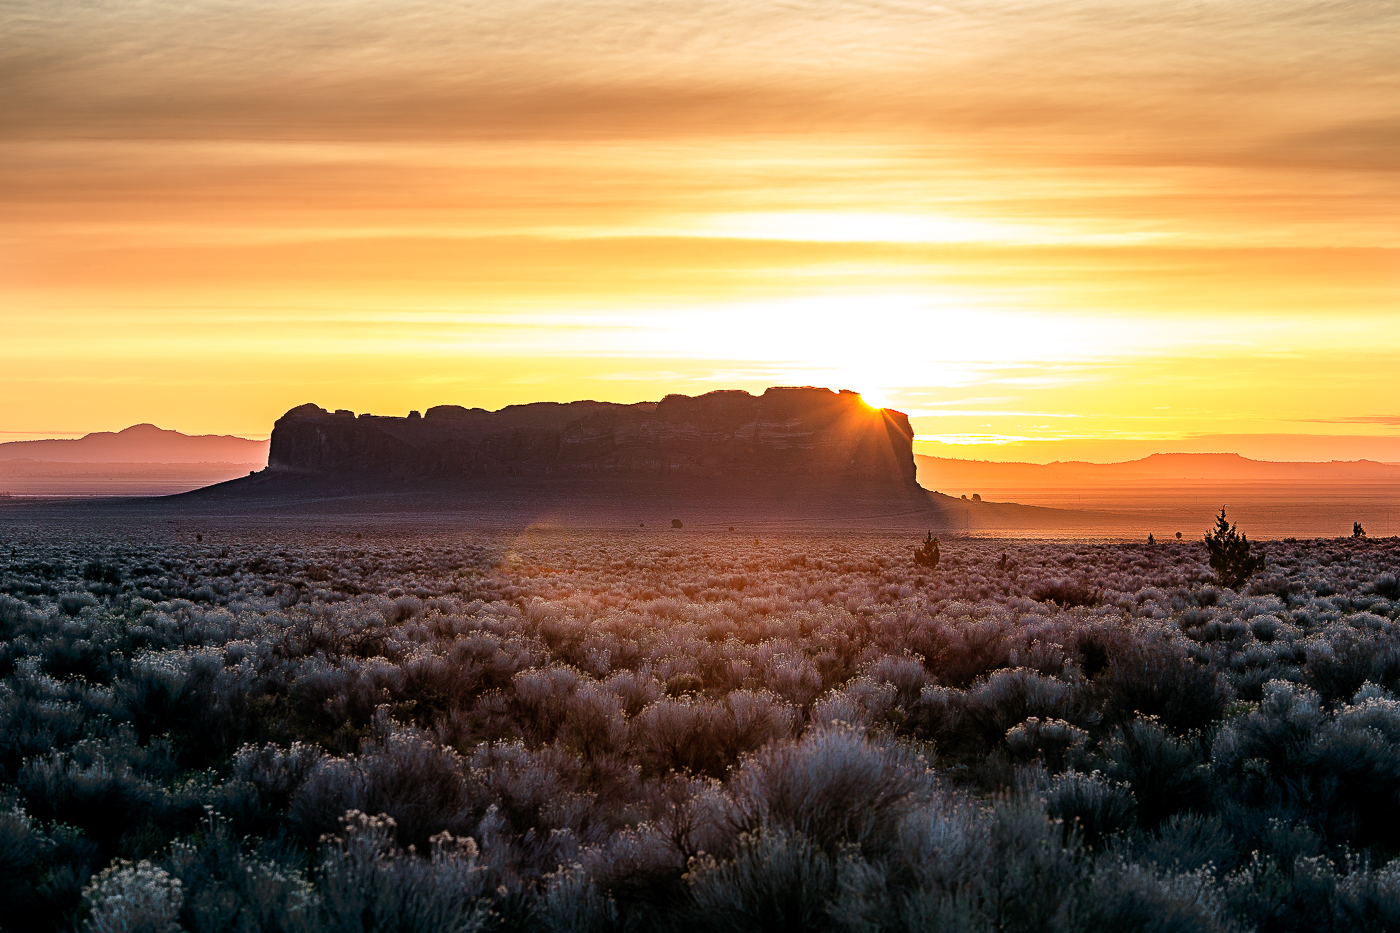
{"type": "Point", "coordinates": [803, 436]}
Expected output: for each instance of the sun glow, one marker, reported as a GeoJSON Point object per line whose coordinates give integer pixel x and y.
{"type": "Point", "coordinates": [995, 216]}
{"type": "Point", "coordinates": [876, 398]}
{"type": "Point", "coordinates": [842, 226]}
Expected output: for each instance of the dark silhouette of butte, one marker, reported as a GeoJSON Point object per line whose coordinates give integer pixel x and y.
{"type": "Point", "coordinates": [791, 451]}
{"type": "Point", "coordinates": [802, 433]}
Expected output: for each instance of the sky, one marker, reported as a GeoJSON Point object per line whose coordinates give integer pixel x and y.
{"type": "Point", "coordinates": [1045, 230]}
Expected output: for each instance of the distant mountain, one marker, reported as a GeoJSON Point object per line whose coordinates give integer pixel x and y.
{"type": "Point", "coordinates": [141, 443]}
{"type": "Point", "coordinates": [1158, 469]}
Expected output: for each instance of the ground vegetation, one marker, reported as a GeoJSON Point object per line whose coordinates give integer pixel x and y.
{"type": "Point", "coordinates": [429, 729]}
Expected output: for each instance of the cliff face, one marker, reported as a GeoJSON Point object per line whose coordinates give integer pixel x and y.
{"type": "Point", "coordinates": [785, 432]}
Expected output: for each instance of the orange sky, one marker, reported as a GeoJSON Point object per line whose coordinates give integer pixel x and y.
{"type": "Point", "coordinates": [1090, 229]}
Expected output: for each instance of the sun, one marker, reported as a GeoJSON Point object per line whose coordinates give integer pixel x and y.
{"type": "Point", "coordinates": [875, 398]}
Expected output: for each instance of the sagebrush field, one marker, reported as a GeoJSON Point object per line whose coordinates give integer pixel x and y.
{"type": "Point", "coordinates": [429, 729]}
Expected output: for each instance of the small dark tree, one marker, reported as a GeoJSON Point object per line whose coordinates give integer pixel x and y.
{"type": "Point", "coordinates": [1150, 539]}
{"type": "Point", "coordinates": [677, 523]}
{"type": "Point", "coordinates": [926, 554]}
{"type": "Point", "coordinates": [1357, 531]}
{"type": "Point", "coordinates": [1229, 554]}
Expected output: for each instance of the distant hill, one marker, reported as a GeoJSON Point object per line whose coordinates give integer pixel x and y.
{"type": "Point", "coordinates": [141, 443]}
{"type": "Point", "coordinates": [1169, 493]}
{"type": "Point", "coordinates": [958, 476]}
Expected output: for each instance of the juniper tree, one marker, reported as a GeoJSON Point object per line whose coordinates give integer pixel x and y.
{"type": "Point", "coordinates": [1229, 554]}
{"type": "Point", "coordinates": [927, 555]}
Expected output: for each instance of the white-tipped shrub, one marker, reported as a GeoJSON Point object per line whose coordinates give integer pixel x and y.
{"type": "Point", "coordinates": [365, 882]}
{"type": "Point", "coordinates": [834, 787]}
{"type": "Point", "coordinates": [133, 898]}
{"type": "Point", "coordinates": [1091, 805]}
{"type": "Point", "coordinates": [776, 880]}
{"type": "Point", "coordinates": [1053, 741]}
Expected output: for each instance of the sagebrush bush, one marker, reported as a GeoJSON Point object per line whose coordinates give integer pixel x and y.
{"type": "Point", "coordinates": [834, 787]}
{"type": "Point", "coordinates": [418, 784]}
{"type": "Point", "coordinates": [1091, 805]}
{"type": "Point", "coordinates": [133, 898]}
{"type": "Point", "coordinates": [363, 881]}
{"type": "Point", "coordinates": [808, 717]}
{"type": "Point", "coordinates": [1053, 741]}
{"type": "Point", "coordinates": [777, 879]}
{"type": "Point", "coordinates": [1167, 775]}
{"type": "Point", "coordinates": [1155, 677]}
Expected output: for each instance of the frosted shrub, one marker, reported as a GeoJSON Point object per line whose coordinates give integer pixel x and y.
{"type": "Point", "coordinates": [1069, 593]}
{"type": "Point", "coordinates": [1370, 899]}
{"type": "Point", "coordinates": [1126, 897]}
{"type": "Point", "coordinates": [1269, 893]}
{"type": "Point", "coordinates": [691, 816]}
{"type": "Point", "coordinates": [74, 603]}
{"type": "Point", "coordinates": [1024, 876]}
{"type": "Point", "coordinates": [1092, 805]}
{"type": "Point", "coordinates": [1353, 770]}
{"type": "Point", "coordinates": [12, 613]}
{"type": "Point", "coordinates": [226, 888]}
{"type": "Point", "coordinates": [1342, 660]}
{"type": "Point", "coordinates": [795, 680]}
{"type": "Point", "coordinates": [403, 773]}
{"type": "Point", "coordinates": [1372, 708]}
{"type": "Point", "coordinates": [677, 735]}
{"type": "Point", "coordinates": [105, 800]}
{"type": "Point", "coordinates": [1272, 735]}
{"type": "Point", "coordinates": [275, 772]}
{"type": "Point", "coordinates": [1342, 771]}
{"type": "Point", "coordinates": [127, 898]}
{"type": "Point", "coordinates": [30, 725]}
{"type": "Point", "coordinates": [636, 690]}
{"type": "Point", "coordinates": [542, 700]}
{"type": "Point", "coordinates": [594, 724]}
{"type": "Point", "coordinates": [704, 737]}
{"type": "Point", "coordinates": [939, 713]}
{"type": "Point", "coordinates": [1387, 585]}
{"type": "Point", "coordinates": [572, 903]}
{"type": "Point", "coordinates": [1167, 775]}
{"type": "Point", "coordinates": [364, 882]}
{"type": "Point", "coordinates": [906, 674]}
{"type": "Point", "coordinates": [18, 841]}
{"type": "Point", "coordinates": [834, 787]}
{"type": "Point", "coordinates": [1053, 741]}
{"type": "Point", "coordinates": [543, 658]}
{"type": "Point", "coordinates": [1154, 677]}
{"type": "Point", "coordinates": [1187, 842]}
{"type": "Point", "coordinates": [862, 702]}
{"type": "Point", "coordinates": [777, 880]}
{"type": "Point", "coordinates": [957, 653]}
{"type": "Point", "coordinates": [154, 692]}
{"type": "Point", "coordinates": [1008, 698]}
{"type": "Point", "coordinates": [752, 719]}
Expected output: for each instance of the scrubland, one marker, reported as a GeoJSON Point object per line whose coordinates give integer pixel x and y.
{"type": "Point", "coordinates": [305, 730]}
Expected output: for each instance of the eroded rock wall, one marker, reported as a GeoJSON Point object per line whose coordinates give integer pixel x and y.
{"type": "Point", "coordinates": [809, 432]}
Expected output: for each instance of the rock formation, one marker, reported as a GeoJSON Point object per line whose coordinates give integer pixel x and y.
{"type": "Point", "coordinates": [800, 435]}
